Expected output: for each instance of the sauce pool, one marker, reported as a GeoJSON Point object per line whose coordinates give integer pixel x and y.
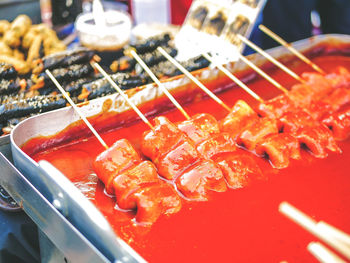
{"type": "Point", "coordinates": [241, 225]}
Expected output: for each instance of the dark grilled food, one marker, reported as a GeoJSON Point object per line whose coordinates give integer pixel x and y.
{"type": "Point", "coordinates": [101, 87]}
{"type": "Point", "coordinates": [65, 74]}
{"type": "Point", "coordinates": [17, 106]}
{"type": "Point", "coordinates": [151, 44]}
{"type": "Point", "coordinates": [167, 69]}
{"type": "Point", "coordinates": [123, 64]}
{"type": "Point", "coordinates": [198, 16]}
{"type": "Point", "coordinates": [216, 24]}
{"type": "Point", "coordinates": [67, 58]}
{"type": "Point", "coordinates": [7, 71]}
{"type": "Point", "coordinates": [8, 87]}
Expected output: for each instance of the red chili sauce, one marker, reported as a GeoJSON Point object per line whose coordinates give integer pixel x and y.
{"type": "Point", "coordinates": [241, 225]}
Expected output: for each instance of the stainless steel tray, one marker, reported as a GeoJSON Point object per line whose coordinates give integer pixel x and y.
{"type": "Point", "coordinates": [57, 206]}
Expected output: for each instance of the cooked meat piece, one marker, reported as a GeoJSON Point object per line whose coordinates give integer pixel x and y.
{"type": "Point", "coordinates": [276, 107]}
{"type": "Point", "coordinates": [131, 180]}
{"type": "Point", "coordinates": [153, 201]}
{"type": "Point", "coordinates": [177, 160]}
{"type": "Point", "coordinates": [317, 140]}
{"type": "Point", "coordinates": [320, 86]}
{"type": "Point", "coordinates": [340, 77]}
{"type": "Point", "coordinates": [165, 137]}
{"type": "Point", "coordinates": [241, 117]}
{"type": "Point", "coordinates": [337, 99]}
{"type": "Point", "coordinates": [316, 136]}
{"type": "Point", "coordinates": [339, 123]}
{"type": "Point", "coordinates": [256, 132]}
{"type": "Point", "coordinates": [280, 148]}
{"type": "Point", "coordinates": [113, 161]}
{"type": "Point", "coordinates": [294, 120]}
{"type": "Point", "coordinates": [301, 95]}
{"type": "Point", "coordinates": [238, 169]}
{"type": "Point", "coordinates": [197, 182]}
{"type": "Point", "coordinates": [219, 143]}
{"type": "Point", "coordinates": [200, 127]}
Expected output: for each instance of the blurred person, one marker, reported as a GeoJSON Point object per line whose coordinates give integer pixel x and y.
{"type": "Point", "coordinates": [291, 19]}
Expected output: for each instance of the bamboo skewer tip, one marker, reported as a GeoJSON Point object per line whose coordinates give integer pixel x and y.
{"type": "Point", "coordinates": [195, 80]}
{"type": "Point", "coordinates": [310, 225]}
{"type": "Point", "coordinates": [270, 58]}
{"type": "Point", "coordinates": [287, 45]}
{"type": "Point", "coordinates": [234, 78]}
{"type": "Point", "coordinates": [119, 90]}
{"type": "Point", "coordinates": [76, 108]}
{"type": "Point", "coordinates": [159, 84]}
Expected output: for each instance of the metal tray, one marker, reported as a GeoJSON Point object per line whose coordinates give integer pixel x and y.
{"type": "Point", "coordinates": [57, 202]}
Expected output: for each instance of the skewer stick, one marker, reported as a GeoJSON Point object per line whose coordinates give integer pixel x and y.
{"type": "Point", "coordinates": [75, 107]}
{"type": "Point", "coordinates": [310, 225]}
{"type": "Point", "coordinates": [114, 85]}
{"type": "Point", "coordinates": [160, 85]}
{"type": "Point", "coordinates": [270, 58]}
{"type": "Point", "coordinates": [323, 254]}
{"type": "Point", "coordinates": [234, 78]}
{"type": "Point", "coordinates": [338, 234]}
{"type": "Point", "coordinates": [290, 48]}
{"type": "Point", "coordinates": [191, 77]}
{"type": "Point", "coordinates": [262, 73]}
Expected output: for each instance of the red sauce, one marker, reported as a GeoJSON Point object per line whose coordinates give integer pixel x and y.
{"type": "Point", "coordinates": [239, 225]}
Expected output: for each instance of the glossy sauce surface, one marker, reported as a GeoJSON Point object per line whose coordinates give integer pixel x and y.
{"type": "Point", "coordinates": [241, 225]}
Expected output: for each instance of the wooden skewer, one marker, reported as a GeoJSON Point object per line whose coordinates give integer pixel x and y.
{"type": "Point", "coordinates": [234, 78]}
{"type": "Point", "coordinates": [338, 234]}
{"type": "Point", "coordinates": [310, 225]}
{"type": "Point", "coordinates": [191, 77]}
{"type": "Point", "coordinates": [290, 48]}
{"type": "Point", "coordinates": [160, 85]}
{"type": "Point", "coordinates": [114, 85]}
{"type": "Point", "coordinates": [270, 58]}
{"type": "Point", "coordinates": [75, 107]}
{"type": "Point", "coordinates": [323, 254]}
{"type": "Point", "coordinates": [262, 73]}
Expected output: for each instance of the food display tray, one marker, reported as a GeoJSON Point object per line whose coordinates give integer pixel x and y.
{"type": "Point", "coordinates": [60, 210]}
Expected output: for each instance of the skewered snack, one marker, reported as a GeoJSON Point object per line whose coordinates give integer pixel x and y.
{"type": "Point", "coordinates": [339, 123]}
{"type": "Point", "coordinates": [241, 116]}
{"type": "Point", "coordinates": [219, 147]}
{"type": "Point", "coordinates": [177, 159]}
{"type": "Point", "coordinates": [151, 44]}
{"type": "Point", "coordinates": [11, 107]}
{"type": "Point", "coordinates": [64, 59]}
{"type": "Point", "coordinates": [239, 169]}
{"type": "Point", "coordinates": [150, 58]}
{"type": "Point", "coordinates": [135, 183]}
{"type": "Point", "coordinates": [70, 73]}
{"type": "Point", "coordinates": [154, 57]}
{"type": "Point", "coordinates": [280, 148]}
{"type": "Point", "coordinates": [167, 69]}
{"type": "Point", "coordinates": [101, 87]}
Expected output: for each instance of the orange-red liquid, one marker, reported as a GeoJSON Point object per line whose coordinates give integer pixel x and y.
{"type": "Point", "coordinates": [241, 225]}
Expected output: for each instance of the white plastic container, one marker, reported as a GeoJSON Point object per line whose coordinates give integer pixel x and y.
{"type": "Point", "coordinates": [113, 36]}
